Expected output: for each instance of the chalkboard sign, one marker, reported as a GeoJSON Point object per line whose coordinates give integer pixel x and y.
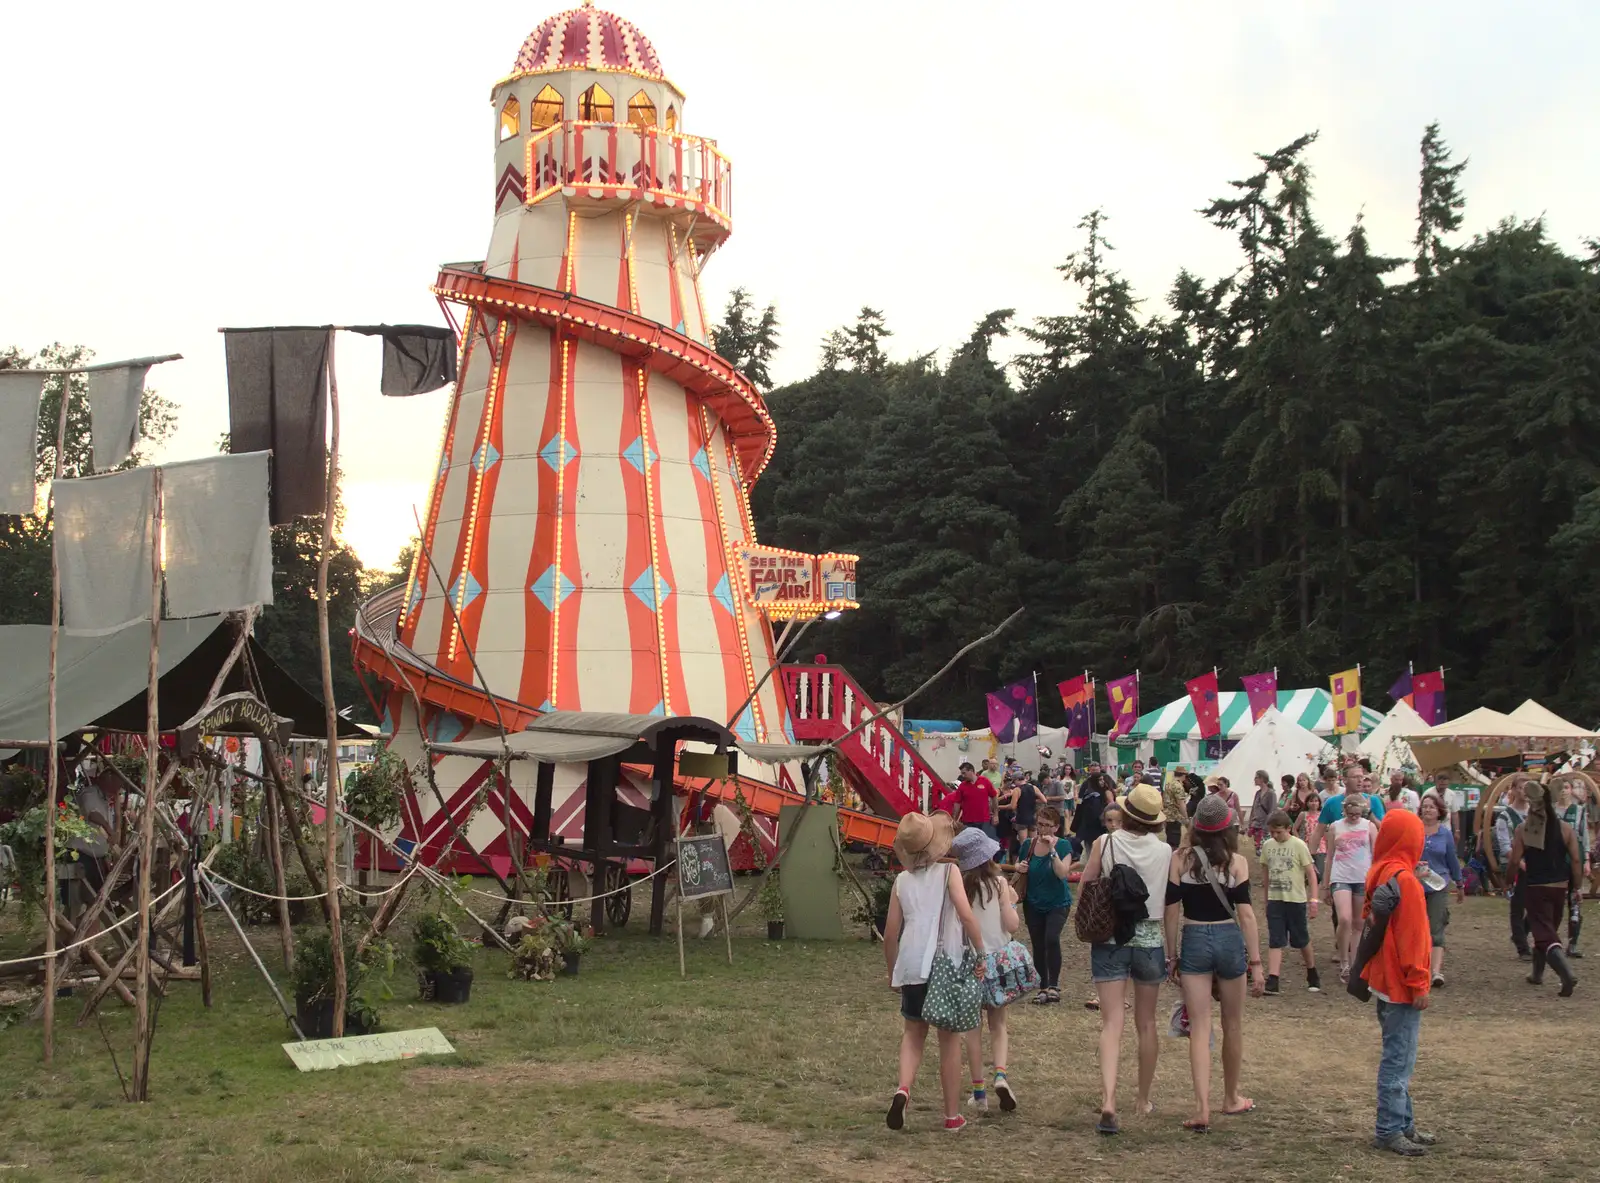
{"type": "Point", "coordinates": [703, 867]}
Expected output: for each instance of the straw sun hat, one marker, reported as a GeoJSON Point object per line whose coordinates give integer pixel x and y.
{"type": "Point", "coordinates": [921, 840]}
{"type": "Point", "coordinates": [1143, 804]}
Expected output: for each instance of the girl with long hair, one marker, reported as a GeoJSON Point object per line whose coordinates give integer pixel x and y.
{"type": "Point", "coordinates": [1208, 889]}
{"type": "Point", "coordinates": [1439, 852]}
{"type": "Point", "coordinates": [994, 903]}
{"type": "Point", "coordinates": [1350, 843]}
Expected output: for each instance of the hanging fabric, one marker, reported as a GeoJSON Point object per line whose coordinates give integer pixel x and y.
{"type": "Point", "coordinates": [114, 397]}
{"type": "Point", "coordinates": [416, 358]}
{"type": "Point", "coordinates": [19, 439]}
{"type": "Point", "coordinates": [217, 542]}
{"type": "Point", "coordinates": [103, 543]}
{"type": "Point", "coordinates": [278, 402]}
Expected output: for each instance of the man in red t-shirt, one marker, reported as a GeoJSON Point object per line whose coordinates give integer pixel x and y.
{"type": "Point", "coordinates": [971, 802]}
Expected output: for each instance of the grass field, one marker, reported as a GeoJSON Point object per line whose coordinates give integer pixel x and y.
{"type": "Point", "coordinates": [780, 1066]}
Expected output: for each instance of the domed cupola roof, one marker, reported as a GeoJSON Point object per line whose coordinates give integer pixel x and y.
{"type": "Point", "coordinates": [587, 38]}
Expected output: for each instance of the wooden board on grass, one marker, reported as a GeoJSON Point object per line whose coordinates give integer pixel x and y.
{"type": "Point", "coordinates": [316, 1054]}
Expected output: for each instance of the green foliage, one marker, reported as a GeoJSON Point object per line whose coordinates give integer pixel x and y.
{"type": "Point", "coordinates": [541, 945]}
{"type": "Point", "coordinates": [366, 976]}
{"type": "Point", "coordinates": [745, 339]}
{"type": "Point", "coordinates": [21, 788]}
{"type": "Point", "coordinates": [769, 900]}
{"type": "Point", "coordinates": [373, 793]}
{"type": "Point", "coordinates": [436, 946]}
{"type": "Point", "coordinates": [1316, 460]}
{"type": "Point", "coordinates": [25, 835]}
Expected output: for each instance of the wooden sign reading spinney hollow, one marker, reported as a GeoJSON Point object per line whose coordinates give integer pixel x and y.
{"type": "Point", "coordinates": [233, 713]}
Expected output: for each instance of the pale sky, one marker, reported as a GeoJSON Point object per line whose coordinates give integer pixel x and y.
{"type": "Point", "coordinates": [174, 167]}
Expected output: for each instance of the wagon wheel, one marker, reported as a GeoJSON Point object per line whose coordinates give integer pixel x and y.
{"type": "Point", "coordinates": [619, 906]}
{"type": "Point", "coordinates": [561, 889]}
{"type": "Point", "coordinates": [1485, 821]}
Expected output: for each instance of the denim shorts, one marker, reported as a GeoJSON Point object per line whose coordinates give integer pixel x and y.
{"type": "Point", "coordinates": [1118, 963]}
{"type": "Point", "coordinates": [1212, 949]}
{"type": "Point", "coordinates": [1286, 925]}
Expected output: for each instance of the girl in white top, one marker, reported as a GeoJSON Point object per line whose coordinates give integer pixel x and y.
{"type": "Point", "coordinates": [1350, 843]}
{"type": "Point", "coordinates": [994, 903]}
{"type": "Point", "coordinates": [927, 912]}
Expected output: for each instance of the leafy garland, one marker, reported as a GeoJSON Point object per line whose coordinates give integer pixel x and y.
{"type": "Point", "coordinates": [25, 836]}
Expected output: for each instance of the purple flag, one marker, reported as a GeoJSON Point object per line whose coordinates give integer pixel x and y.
{"type": "Point", "coordinates": [1262, 691]}
{"type": "Point", "coordinates": [1123, 694]}
{"type": "Point", "coordinates": [1077, 696]}
{"type": "Point", "coordinates": [1014, 711]}
{"type": "Point", "coordinates": [1428, 693]}
{"type": "Point", "coordinates": [1401, 690]}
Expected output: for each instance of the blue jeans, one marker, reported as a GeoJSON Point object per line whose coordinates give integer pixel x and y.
{"type": "Point", "coordinates": [1402, 1025]}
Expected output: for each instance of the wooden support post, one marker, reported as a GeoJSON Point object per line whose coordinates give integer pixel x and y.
{"type": "Point", "coordinates": [254, 956]}
{"type": "Point", "coordinates": [331, 708]}
{"type": "Point", "coordinates": [275, 854]}
{"type": "Point", "coordinates": [682, 972]}
{"type": "Point", "coordinates": [52, 781]}
{"type": "Point", "coordinates": [661, 811]}
{"type": "Point", "coordinates": [598, 832]}
{"type": "Point", "coordinates": [543, 791]}
{"type": "Point", "coordinates": [727, 927]}
{"type": "Point", "coordinates": [99, 963]}
{"type": "Point", "coordinates": [202, 948]}
{"type": "Point", "coordinates": [142, 1031]}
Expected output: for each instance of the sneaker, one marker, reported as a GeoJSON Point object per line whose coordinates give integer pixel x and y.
{"type": "Point", "coordinates": [1399, 1144]}
{"type": "Point", "coordinates": [897, 1109]}
{"type": "Point", "coordinates": [1524, 955]}
{"type": "Point", "coordinates": [1438, 982]}
{"type": "Point", "coordinates": [1421, 1137]}
{"type": "Point", "coordinates": [952, 1124]}
{"type": "Point", "coordinates": [1007, 1095]}
{"type": "Point", "coordinates": [979, 1100]}
{"type": "Point", "coordinates": [1272, 984]}
{"type": "Point", "coordinates": [1313, 982]}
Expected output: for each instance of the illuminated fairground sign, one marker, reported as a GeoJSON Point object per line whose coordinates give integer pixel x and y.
{"type": "Point", "coordinates": [784, 584]}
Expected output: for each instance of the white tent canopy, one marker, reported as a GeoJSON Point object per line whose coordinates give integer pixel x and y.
{"type": "Point", "coordinates": [1484, 734]}
{"type": "Point", "coordinates": [1276, 745]}
{"type": "Point", "coordinates": [1385, 744]}
{"type": "Point", "coordinates": [1546, 719]}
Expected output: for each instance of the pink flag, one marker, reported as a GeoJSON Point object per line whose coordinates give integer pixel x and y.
{"type": "Point", "coordinates": [1262, 691]}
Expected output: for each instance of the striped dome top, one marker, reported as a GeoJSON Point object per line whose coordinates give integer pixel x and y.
{"type": "Point", "coordinates": [587, 38]}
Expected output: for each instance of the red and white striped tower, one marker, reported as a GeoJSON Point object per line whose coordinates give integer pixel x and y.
{"type": "Point", "coordinates": [590, 513]}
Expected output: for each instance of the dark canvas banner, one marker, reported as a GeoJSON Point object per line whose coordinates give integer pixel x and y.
{"type": "Point", "coordinates": [416, 358]}
{"type": "Point", "coordinates": [278, 402]}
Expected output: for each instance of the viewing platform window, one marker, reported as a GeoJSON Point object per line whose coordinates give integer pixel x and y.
{"type": "Point", "coordinates": [672, 118]}
{"type": "Point", "coordinates": [595, 106]}
{"type": "Point", "coordinates": [641, 111]}
{"type": "Point", "coordinates": [548, 109]}
{"type": "Point", "coordinates": [510, 119]}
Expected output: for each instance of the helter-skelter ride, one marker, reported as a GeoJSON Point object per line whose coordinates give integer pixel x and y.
{"type": "Point", "coordinates": [589, 567]}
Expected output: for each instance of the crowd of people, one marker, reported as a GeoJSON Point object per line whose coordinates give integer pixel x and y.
{"type": "Point", "coordinates": [1165, 853]}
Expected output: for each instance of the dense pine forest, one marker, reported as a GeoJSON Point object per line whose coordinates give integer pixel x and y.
{"type": "Point", "coordinates": [1331, 456]}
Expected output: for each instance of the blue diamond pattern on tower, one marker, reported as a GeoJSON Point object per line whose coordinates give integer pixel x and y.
{"type": "Point", "coordinates": [703, 463]}
{"type": "Point", "coordinates": [558, 453]}
{"type": "Point", "coordinates": [645, 588]}
{"type": "Point", "coordinates": [446, 728]}
{"type": "Point", "coordinates": [745, 728]}
{"type": "Point", "coordinates": [486, 457]}
{"type": "Point", "coordinates": [545, 588]}
{"type": "Point", "coordinates": [723, 594]}
{"type": "Point", "coordinates": [444, 465]}
{"type": "Point", "coordinates": [473, 590]}
{"type": "Point", "coordinates": [659, 709]}
{"type": "Point", "coordinates": [635, 452]}
{"type": "Point", "coordinates": [415, 598]}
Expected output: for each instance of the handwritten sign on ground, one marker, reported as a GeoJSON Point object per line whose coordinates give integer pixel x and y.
{"type": "Point", "coordinates": [703, 867]}
{"type": "Point", "coordinates": [316, 1054]}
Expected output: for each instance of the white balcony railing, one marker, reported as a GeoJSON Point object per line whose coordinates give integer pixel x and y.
{"type": "Point", "coordinates": [622, 162]}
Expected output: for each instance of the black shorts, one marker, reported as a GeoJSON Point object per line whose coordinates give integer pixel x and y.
{"type": "Point", "coordinates": [911, 1000]}
{"type": "Point", "coordinates": [1286, 925]}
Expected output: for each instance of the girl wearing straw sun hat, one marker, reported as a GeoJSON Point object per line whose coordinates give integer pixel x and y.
{"type": "Point", "coordinates": [928, 912]}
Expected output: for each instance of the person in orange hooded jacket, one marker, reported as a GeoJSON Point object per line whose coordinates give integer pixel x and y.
{"type": "Point", "coordinates": [1399, 974]}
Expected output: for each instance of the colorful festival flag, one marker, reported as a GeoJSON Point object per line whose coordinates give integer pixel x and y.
{"type": "Point", "coordinates": [1077, 695]}
{"type": "Point", "coordinates": [1014, 711]}
{"type": "Point", "coordinates": [1262, 691]}
{"type": "Point", "coordinates": [1402, 689]}
{"type": "Point", "coordinates": [1203, 696]}
{"type": "Point", "coordinates": [1427, 691]}
{"type": "Point", "coordinates": [1123, 694]}
{"type": "Point", "coordinates": [1345, 689]}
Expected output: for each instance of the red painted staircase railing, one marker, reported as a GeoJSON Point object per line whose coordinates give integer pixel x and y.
{"type": "Point", "coordinates": [879, 762]}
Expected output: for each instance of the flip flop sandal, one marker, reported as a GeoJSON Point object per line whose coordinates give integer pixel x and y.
{"type": "Point", "coordinates": [1197, 1127]}
{"type": "Point", "coordinates": [1107, 1124]}
{"type": "Point", "coordinates": [1250, 1108]}
{"type": "Point", "coordinates": [1092, 1004]}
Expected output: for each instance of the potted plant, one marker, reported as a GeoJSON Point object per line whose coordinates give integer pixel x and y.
{"type": "Point", "coordinates": [875, 912]}
{"type": "Point", "coordinates": [533, 958]}
{"type": "Point", "coordinates": [443, 960]}
{"type": "Point", "coordinates": [770, 903]}
{"type": "Point", "coordinates": [367, 983]}
{"type": "Point", "coordinates": [575, 942]}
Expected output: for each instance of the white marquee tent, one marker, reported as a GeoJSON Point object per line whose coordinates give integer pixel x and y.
{"type": "Point", "coordinates": [1277, 745]}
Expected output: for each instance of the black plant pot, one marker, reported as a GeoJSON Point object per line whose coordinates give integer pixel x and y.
{"type": "Point", "coordinates": [569, 964]}
{"type": "Point", "coordinates": [450, 988]}
{"type": "Point", "coordinates": [880, 921]}
{"type": "Point", "coordinates": [774, 930]}
{"type": "Point", "coordinates": [316, 1019]}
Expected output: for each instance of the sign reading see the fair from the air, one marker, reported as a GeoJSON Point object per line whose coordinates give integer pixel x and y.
{"type": "Point", "coordinates": [786, 583]}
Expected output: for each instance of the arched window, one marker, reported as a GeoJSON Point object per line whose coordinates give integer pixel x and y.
{"type": "Point", "coordinates": [547, 109]}
{"type": "Point", "coordinates": [510, 119]}
{"type": "Point", "coordinates": [672, 119]}
{"type": "Point", "coordinates": [595, 106]}
{"type": "Point", "coordinates": [641, 111]}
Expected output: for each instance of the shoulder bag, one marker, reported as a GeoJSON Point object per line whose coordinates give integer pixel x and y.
{"type": "Point", "coordinates": [1095, 921]}
{"type": "Point", "coordinates": [954, 1000]}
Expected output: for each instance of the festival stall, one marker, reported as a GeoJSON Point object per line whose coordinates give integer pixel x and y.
{"type": "Point", "coordinates": [1276, 745]}
{"type": "Point", "coordinates": [1169, 731]}
{"type": "Point", "coordinates": [1385, 744]}
{"type": "Point", "coordinates": [1486, 734]}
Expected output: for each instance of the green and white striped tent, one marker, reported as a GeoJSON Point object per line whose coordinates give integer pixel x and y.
{"type": "Point", "coordinates": [1312, 709]}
